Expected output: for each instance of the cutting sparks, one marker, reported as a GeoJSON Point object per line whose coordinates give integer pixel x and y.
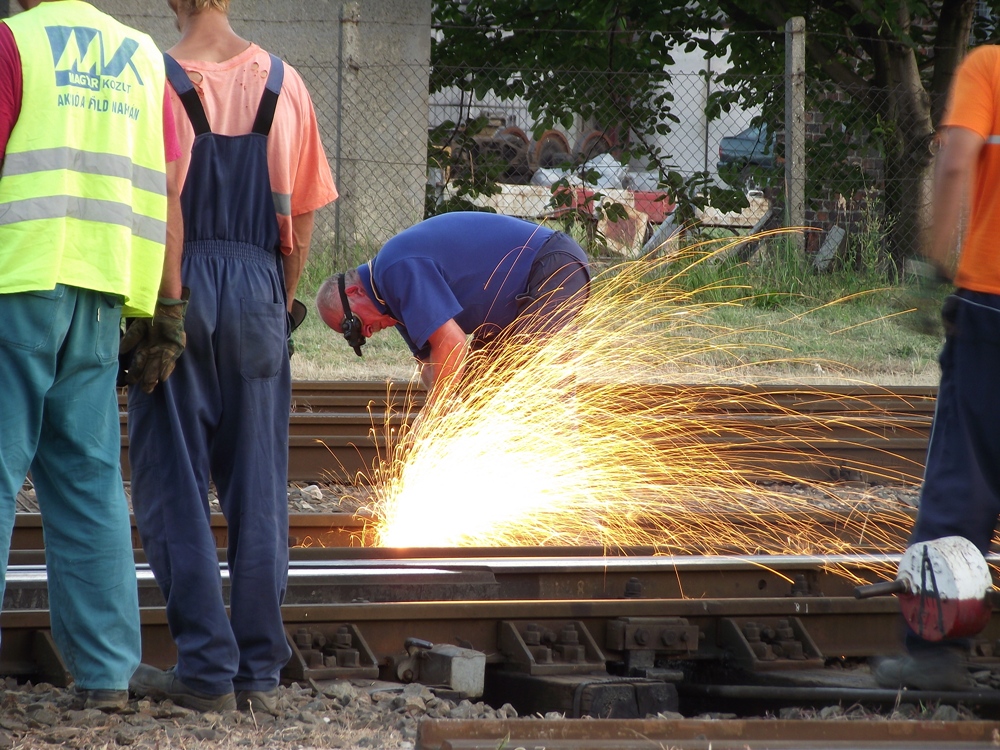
{"type": "Point", "coordinates": [574, 440]}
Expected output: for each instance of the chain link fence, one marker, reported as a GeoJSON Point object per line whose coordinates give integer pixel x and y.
{"type": "Point", "coordinates": [620, 176]}
{"type": "Point", "coordinates": [620, 149]}
{"type": "Point", "coordinates": [616, 184]}
{"type": "Point", "coordinates": [639, 154]}
{"type": "Point", "coordinates": [373, 120]}
{"type": "Point", "coordinates": [626, 137]}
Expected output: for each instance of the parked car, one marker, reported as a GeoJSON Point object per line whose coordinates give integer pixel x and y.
{"type": "Point", "coordinates": [746, 160]}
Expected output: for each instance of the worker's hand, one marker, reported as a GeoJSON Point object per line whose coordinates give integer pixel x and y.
{"type": "Point", "coordinates": [158, 342]}
{"type": "Point", "coordinates": [928, 285]}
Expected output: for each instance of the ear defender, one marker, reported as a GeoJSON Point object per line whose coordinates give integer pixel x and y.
{"type": "Point", "coordinates": [350, 326]}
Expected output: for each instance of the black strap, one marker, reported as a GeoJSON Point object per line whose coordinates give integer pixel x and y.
{"type": "Point", "coordinates": [178, 78]}
{"type": "Point", "coordinates": [269, 99]}
{"type": "Point", "coordinates": [188, 95]}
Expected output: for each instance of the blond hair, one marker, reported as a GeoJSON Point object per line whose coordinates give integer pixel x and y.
{"type": "Point", "coordinates": [197, 6]}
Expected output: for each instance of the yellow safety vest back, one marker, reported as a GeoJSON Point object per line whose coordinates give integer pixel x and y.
{"type": "Point", "coordinates": [83, 185]}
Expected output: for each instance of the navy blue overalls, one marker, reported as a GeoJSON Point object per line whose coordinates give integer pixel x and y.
{"type": "Point", "coordinates": [961, 490]}
{"type": "Point", "coordinates": [223, 413]}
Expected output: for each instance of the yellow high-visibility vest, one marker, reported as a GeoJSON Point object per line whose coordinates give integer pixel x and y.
{"type": "Point", "coordinates": [83, 184]}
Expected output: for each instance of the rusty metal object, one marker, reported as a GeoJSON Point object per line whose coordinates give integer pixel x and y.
{"type": "Point", "coordinates": [377, 396]}
{"type": "Point", "coordinates": [768, 643]}
{"type": "Point", "coordinates": [329, 651]}
{"type": "Point", "coordinates": [646, 642]}
{"type": "Point", "coordinates": [461, 670]}
{"type": "Point", "coordinates": [549, 648]}
{"type": "Point", "coordinates": [694, 734]}
{"type": "Point", "coordinates": [313, 536]}
{"type": "Point", "coordinates": [551, 150]}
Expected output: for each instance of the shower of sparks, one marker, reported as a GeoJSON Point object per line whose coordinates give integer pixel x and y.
{"type": "Point", "coordinates": [574, 440]}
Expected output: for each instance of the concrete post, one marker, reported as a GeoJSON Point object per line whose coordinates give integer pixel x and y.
{"type": "Point", "coordinates": [347, 71]}
{"type": "Point", "coordinates": [795, 126]}
{"type": "Point", "coordinates": [365, 64]}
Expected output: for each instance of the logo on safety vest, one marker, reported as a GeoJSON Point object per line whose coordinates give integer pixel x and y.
{"type": "Point", "coordinates": [81, 59]}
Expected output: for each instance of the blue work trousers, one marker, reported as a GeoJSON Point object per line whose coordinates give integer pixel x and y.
{"type": "Point", "coordinates": [59, 419]}
{"type": "Point", "coordinates": [961, 489]}
{"type": "Point", "coordinates": [223, 415]}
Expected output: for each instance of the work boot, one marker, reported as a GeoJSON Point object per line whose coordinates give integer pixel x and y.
{"type": "Point", "coordinates": [159, 684]}
{"type": "Point", "coordinates": [258, 701]}
{"type": "Point", "coordinates": [109, 701]}
{"type": "Point", "coordinates": [940, 669]}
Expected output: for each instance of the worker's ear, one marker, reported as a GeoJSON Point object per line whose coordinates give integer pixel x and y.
{"type": "Point", "coordinates": [356, 291]}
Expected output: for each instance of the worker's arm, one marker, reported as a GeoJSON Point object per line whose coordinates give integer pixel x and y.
{"type": "Point", "coordinates": [170, 280]}
{"type": "Point", "coordinates": [443, 368]}
{"type": "Point", "coordinates": [295, 261]}
{"type": "Point", "coordinates": [953, 170]}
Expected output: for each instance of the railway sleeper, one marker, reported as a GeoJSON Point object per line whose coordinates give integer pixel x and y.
{"type": "Point", "coordinates": [684, 668]}
{"type": "Point", "coordinates": [598, 695]}
{"type": "Point", "coordinates": [558, 666]}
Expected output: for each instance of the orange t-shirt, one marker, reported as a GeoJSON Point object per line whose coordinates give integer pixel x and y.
{"type": "Point", "coordinates": [230, 92]}
{"type": "Point", "coordinates": [974, 103]}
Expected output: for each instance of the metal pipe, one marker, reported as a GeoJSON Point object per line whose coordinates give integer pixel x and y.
{"type": "Point", "coordinates": [884, 588]}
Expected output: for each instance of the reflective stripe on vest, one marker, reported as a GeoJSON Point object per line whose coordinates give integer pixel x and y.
{"type": "Point", "coordinates": [83, 186]}
{"type": "Point", "coordinates": [108, 165]}
{"type": "Point", "coordinates": [85, 209]}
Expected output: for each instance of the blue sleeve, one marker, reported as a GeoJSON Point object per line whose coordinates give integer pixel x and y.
{"type": "Point", "coordinates": [417, 290]}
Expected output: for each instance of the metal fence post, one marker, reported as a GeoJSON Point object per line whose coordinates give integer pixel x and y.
{"type": "Point", "coordinates": [350, 15]}
{"type": "Point", "coordinates": [795, 141]}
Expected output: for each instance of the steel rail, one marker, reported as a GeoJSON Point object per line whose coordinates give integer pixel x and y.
{"type": "Point", "coordinates": [340, 430]}
{"type": "Point", "coordinates": [310, 535]}
{"type": "Point", "coordinates": [694, 734]}
{"type": "Point", "coordinates": [481, 586]}
{"type": "Point", "coordinates": [476, 598]}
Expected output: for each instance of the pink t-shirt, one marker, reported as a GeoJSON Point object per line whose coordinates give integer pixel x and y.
{"type": "Point", "coordinates": [230, 92]}
{"type": "Point", "coordinates": [11, 83]}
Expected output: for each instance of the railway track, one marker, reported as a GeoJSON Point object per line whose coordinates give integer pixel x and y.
{"type": "Point", "coordinates": [587, 632]}
{"type": "Point", "coordinates": [613, 636]}
{"type": "Point", "coordinates": [658, 734]}
{"type": "Point", "coordinates": [312, 534]}
{"type": "Point", "coordinates": [831, 433]}
{"type": "Point", "coordinates": [815, 434]}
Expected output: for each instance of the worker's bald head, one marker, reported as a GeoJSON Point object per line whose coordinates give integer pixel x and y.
{"type": "Point", "coordinates": [365, 316]}
{"type": "Point", "coordinates": [328, 302]}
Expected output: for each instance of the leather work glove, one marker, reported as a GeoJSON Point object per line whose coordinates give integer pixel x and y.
{"type": "Point", "coordinates": [158, 342]}
{"type": "Point", "coordinates": [923, 298]}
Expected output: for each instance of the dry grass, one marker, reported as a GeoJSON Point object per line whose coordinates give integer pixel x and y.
{"type": "Point", "coordinates": [860, 342]}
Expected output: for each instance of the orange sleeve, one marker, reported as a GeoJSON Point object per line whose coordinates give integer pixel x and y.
{"type": "Point", "coordinates": [300, 172]}
{"type": "Point", "coordinates": [972, 101]}
{"type": "Point", "coordinates": [312, 186]}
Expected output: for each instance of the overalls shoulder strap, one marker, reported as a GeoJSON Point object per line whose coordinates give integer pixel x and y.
{"type": "Point", "coordinates": [179, 79]}
{"type": "Point", "coordinates": [269, 99]}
